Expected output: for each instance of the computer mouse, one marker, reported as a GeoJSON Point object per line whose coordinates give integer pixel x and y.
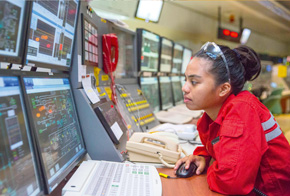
{"type": "Point", "coordinates": [185, 173]}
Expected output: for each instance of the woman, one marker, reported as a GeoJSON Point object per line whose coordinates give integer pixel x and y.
{"type": "Point", "coordinates": [244, 148]}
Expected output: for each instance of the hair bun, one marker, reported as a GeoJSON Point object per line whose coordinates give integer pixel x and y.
{"type": "Point", "coordinates": [250, 60]}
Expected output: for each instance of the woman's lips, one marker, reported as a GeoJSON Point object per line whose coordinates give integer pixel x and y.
{"type": "Point", "coordinates": [186, 100]}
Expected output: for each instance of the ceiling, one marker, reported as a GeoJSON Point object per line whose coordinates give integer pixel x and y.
{"type": "Point", "coordinates": [255, 14]}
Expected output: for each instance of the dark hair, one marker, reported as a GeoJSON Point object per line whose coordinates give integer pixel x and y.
{"type": "Point", "coordinates": [244, 65]}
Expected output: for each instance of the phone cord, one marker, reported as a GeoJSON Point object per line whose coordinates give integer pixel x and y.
{"type": "Point", "coordinates": [164, 162]}
{"type": "Point", "coordinates": [259, 192]}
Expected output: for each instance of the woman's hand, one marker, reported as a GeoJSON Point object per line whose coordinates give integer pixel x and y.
{"type": "Point", "coordinates": [198, 160]}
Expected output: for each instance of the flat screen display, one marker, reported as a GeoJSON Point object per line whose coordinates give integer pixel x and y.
{"type": "Point", "coordinates": [177, 90]}
{"type": "Point", "coordinates": [149, 10]}
{"type": "Point", "coordinates": [52, 32]}
{"type": "Point", "coordinates": [166, 55]}
{"type": "Point", "coordinates": [126, 66]}
{"type": "Point", "coordinates": [55, 125]}
{"type": "Point", "coordinates": [166, 92]}
{"type": "Point", "coordinates": [187, 54]}
{"type": "Point", "coordinates": [149, 86]}
{"type": "Point", "coordinates": [149, 51]}
{"type": "Point", "coordinates": [12, 14]}
{"type": "Point", "coordinates": [177, 58]}
{"type": "Point", "coordinates": [18, 171]}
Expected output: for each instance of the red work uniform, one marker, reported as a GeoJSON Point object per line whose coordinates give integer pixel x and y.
{"type": "Point", "coordinates": [248, 147]}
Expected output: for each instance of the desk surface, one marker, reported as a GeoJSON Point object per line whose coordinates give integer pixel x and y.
{"type": "Point", "coordinates": [193, 186]}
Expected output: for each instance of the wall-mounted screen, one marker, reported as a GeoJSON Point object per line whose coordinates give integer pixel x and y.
{"type": "Point", "coordinates": [52, 33]}
{"type": "Point", "coordinates": [165, 92]}
{"type": "Point", "coordinates": [187, 54]}
{"type": "Point", "coordinates": [177, 58]}
{"type": "Point", "coordinates": [149, 55]}
{"type": "Point", "coordinates": [166, 55]}
{"type": "Point", "coordinates": [55, 125]}
{"type": "Point", "coordinates": [149, 10]}
{"type": "Point", "coordinates": [177, 90]}
{"type": "Point", "coordinates": [150, 89]}
{"type": "Point", "coordinates": [13, 22]}
{"type": "Point", "coordinates": [18, 169]}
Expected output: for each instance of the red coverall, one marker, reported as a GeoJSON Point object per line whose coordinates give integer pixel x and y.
{"type": "Point", "coordinates": [248, 147]}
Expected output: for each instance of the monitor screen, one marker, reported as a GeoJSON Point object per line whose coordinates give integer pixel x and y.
{"type": "Point", "coordinates": [177, 90]}
{"type": "Point", "coordinates": [187, 54]}
{"type": "Point", "coordinates": [177, 58]}
{"type": "Point", "coordinates": [18, 171]}
{"type": "Point", "coordinates": [166, 92]}
{"type": "Point", "coordinates": [12, 30]}
{"type": "Point", "coordinates": [149, 10]}
{"type": "Point", "coordinates": [126, 65]}
{"type": "Point", "coordinates": [51, 33]}
{"type": "Point", "coordinates": [90, 43]}
{"type": "Point", "coordinates": [55, 125]}
{"type": "Point", "coordinates": [149, 51]}
{"type": "Point", "coordinates": [166, 55]}
{"type": "Point", "coordinates": [182, 80]}
{"type": "Point", "coordinates": [150, 90]}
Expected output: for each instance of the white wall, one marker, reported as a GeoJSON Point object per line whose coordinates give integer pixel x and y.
{"type": "Point", "coordinates": [188, 27]}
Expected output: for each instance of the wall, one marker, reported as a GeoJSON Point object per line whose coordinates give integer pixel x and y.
{"type": "Point", "coordinates": [188, 27]}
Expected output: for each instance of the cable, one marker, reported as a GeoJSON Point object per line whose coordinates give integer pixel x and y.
{"type": "Point", "coordinates": [259, 192]}
{"type": "Point", "coordinates": [166, 176]}
{"type": "Point", "coordinates": [164, 162]}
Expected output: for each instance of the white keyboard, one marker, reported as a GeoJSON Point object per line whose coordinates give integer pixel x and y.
{"type": "Point", "coordinates": [114, 179]}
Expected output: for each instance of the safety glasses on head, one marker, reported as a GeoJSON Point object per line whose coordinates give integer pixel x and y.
{"type": "Point", "coordinates": [214, 51]}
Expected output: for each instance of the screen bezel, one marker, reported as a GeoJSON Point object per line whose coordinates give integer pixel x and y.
{"type": "Point", "coordinates": [139, 37]}
{"type": "Point", "coordinates": [20, 58]}
{"type": "Point", "coordinates": [144, 19]}
{"type": "Point", "coordinates": [178, 71]}
{"type": "Point", "coordinates": [30, 135]}
{"type": "Point", "coordinates": [134, 79]}
{"type": "Point", "coordinates": [49, 65]}
{"type": "Point", "coordinates": [69, 168]}
{"type": "Point", "coordinates": [160, 54]}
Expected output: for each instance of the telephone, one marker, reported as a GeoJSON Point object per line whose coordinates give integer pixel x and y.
{"type": "Point", "coordinates": [146, 147]}
{"type": "Point", "coordinates": [110, 52]}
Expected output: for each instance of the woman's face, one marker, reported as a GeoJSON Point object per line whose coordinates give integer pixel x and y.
{"type": "Point", "coordinates": [200, 91]}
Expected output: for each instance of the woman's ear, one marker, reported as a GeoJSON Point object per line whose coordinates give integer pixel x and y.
{"type": "Point", "coordinates": [225, 89]}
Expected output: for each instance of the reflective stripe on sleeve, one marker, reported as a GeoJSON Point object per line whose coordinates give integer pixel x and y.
{"type": "Point", "coordinates": [269, 123]}
{"type": "Point", "coordinates": [273, 134]}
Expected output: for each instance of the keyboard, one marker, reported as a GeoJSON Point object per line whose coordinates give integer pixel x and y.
{"type": "Point", "coordinates": [102, 178]}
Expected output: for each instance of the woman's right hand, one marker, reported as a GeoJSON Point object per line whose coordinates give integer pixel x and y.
{"type": "Point", "coordinates": [198, 160]}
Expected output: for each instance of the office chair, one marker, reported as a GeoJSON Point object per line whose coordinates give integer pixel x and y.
{"type": "Point", "coordinates": [273, 104]}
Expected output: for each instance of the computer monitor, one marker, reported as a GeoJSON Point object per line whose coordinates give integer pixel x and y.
{"type": "Point", "coordinates": [149, 10]}
{"type": "Point", "coordinates": [177, 58]}
{"type": "Point", "coordinates": [165, 92]}
{"type": "Point", "coordinates": [150, 89]}
{"type": "Point", "coordinates": [18, 169]}
{"type": "Point", "coordinates": [187, 54]}
{"type": "Point", "coordinates": [166, 55]}
{"type": "Point", "coordinates": [55, 125]}
{"type": "Point", "coordinates": [13, 25]}
{"type": "Point", "coordinates": [148, 50]}
{"type": "Point", "coordinates": [51, 33]}
{"type": "Point", "coordinates": [182, 80]}
{"type": "Point", "coordinates": [177, 90]}
{"type": "Point", "coordinates": [126, 63]}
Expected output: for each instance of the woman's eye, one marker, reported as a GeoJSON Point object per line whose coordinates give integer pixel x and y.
{"type": "Point", "coordinates": [194, 82]}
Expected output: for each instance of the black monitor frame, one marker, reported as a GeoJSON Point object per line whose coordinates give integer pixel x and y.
{"type": "Point", "coordinates": [44, 64]}
{"type": "Point", "coordinates": [68, 169]}
{"type": "Point", "coordinates": [31, 136]}
{"type": "Point", "coordinates": [185, 48]}
{"type": "Point", "coordinates": [178, 71]}
{"type": "Point", "coordinates": [134, 80]}
{"type": "Point", "coordinates": [20, 58]}
{"type": "Point", "coordinates": [139, 38]}
{"type": "Point", "coordinates": [160, 54]}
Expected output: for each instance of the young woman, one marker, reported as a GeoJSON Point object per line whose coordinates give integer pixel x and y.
{"type": "Point", "coordinates": [244, 150]}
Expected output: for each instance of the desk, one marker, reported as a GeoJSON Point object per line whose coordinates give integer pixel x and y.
{"type": "Point", "coordinates": [193, 186]}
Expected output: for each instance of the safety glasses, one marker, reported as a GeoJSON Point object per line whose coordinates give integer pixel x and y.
{"type": "Point", "coordinates": [214, 51]}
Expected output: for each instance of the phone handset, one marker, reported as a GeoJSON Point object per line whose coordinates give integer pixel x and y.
{"type": "Point", "coordinates": [110, 59]}
{"type": "Point", "coordinates": [110, 52]}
